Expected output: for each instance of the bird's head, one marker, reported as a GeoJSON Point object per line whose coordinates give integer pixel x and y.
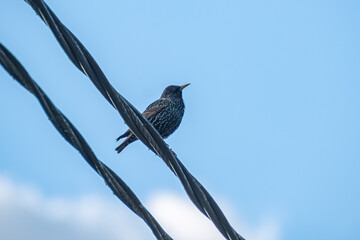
{"type": "Point", "coordinates": [174, 91]}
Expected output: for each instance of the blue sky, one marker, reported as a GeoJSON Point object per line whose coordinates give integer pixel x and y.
{"type": "Point", "coordinates": [271, 126]}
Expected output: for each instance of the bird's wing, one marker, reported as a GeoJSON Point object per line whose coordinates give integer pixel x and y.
{"type": "Point", "coordinates": [152, 111]}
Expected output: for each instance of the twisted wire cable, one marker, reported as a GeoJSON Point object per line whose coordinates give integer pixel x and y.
{"type": "Point", "coordinates": [139, 125]}
{"type": "Point", "coordinates": [72, 135]}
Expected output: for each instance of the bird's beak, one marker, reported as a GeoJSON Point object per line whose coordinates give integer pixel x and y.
{"type": "Point", "coordinates": [184, 86]}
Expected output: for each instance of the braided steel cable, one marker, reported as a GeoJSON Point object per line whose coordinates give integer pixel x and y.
{"type": "Point", "coordinates": [72, 135]}
{"type": "Point", "coordinates": [139, 125]}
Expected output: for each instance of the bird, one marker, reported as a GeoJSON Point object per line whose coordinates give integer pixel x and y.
{"type": "Point", "coordinates": [165, 114]}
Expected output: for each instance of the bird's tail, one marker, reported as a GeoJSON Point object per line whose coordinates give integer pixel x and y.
{"type": "Point", "coordinates": [126, 134]}
{"type": "Point", "coordinates": [126, 142]}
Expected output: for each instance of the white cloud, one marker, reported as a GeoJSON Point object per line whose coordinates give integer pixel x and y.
{"type": "Point", "coordinates": [25, 213]}
{"type": "Point", "coordinates": [183, 220]}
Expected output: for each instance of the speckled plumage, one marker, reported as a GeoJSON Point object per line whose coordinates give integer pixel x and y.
{"type": "Point", "coordinates": [165, 114]}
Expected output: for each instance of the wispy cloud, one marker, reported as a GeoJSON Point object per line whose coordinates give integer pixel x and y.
{"type": "Point", "coordinates": [25, 213]}
{"type": "Point", "coordinates": [183, 221]}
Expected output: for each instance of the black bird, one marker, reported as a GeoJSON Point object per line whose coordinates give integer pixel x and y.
{"type": "Point", "coordinates": [164, 114]}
